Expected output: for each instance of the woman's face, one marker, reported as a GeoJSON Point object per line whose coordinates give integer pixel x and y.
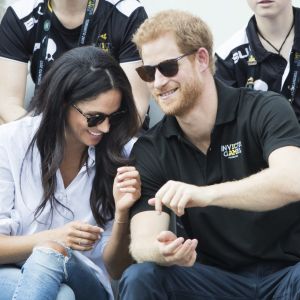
{"type": "Point", "coordinates": [77, 129]}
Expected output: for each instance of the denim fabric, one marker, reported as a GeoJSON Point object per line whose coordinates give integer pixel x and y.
{"type": "Point", "coordinates": [49, 275]}
{"type": "Point", "coordinates": [9, 277]}
{"type": "Point", "coordinates": [259, 282]}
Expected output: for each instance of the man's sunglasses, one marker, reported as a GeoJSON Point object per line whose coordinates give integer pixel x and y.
{"type": "Point", "coordinates": [167, 68]}
{"type": "Point", "coordinates": [95, 120]}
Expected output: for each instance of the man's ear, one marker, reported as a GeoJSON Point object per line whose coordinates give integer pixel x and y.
{"type": "Point", "coordinates": [202, 58]}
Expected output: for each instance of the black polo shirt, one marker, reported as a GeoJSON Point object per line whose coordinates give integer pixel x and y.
{"type": "Point", "coordinates": [232, 62]}
{"type": "Point", "coordinates": [111, 29]}
{"type": "Point", "coordinates": [249, 126]}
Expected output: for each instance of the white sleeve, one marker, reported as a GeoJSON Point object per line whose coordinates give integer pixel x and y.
{"type": "Point", "coordinates": [8, 217]}
{"type": "Point", "coordinates": [105, 236]}
{"type": "Point", "coordinates": [128, 147]}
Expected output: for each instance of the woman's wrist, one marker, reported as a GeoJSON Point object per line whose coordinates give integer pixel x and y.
{"type": "Point", "coordinates": [121, 218]}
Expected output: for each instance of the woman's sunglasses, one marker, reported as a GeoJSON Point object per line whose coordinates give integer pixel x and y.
{"type": "Point", "coordinates": [167, 68]}
{"type": "Point", "coordinates": [95, 120]}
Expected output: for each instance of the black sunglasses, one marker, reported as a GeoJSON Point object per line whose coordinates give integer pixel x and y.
{"type": "Point", "coordinates": [95, 120]}
{"type": "Point", "coordinates": [167, 68]}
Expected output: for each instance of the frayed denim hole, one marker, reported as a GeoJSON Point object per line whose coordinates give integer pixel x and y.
{"type": "Point", "coordinates": [56, 253]}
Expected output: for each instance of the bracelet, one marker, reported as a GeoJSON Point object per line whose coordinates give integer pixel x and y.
{"type": "Point", "coordinates": [120, 222]}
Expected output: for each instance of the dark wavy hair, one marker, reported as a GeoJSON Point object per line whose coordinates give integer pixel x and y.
{"type": "Point", "coordinates": [79, 75]}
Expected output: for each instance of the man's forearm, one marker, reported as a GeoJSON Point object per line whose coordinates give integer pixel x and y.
{"type": "Point", "coordinates": [146, 251]}
{"type": "Point", "coordinates": [266, 190]}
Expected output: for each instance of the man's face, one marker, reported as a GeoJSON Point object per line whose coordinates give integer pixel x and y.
{"type": "Point", "coordinates": [268, 8]}
{"type": "Point", "coordinates": [176, 95]}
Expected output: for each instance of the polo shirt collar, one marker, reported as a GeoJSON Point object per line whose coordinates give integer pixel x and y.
{"type": "Point", "coordinates": [259, 51]}
{"type": "Point", "coordinates": [257, 48]}
{"type": "Point", "coordinates": [228, 99]}
{"type": "Point", "coordinates": [296, 27]}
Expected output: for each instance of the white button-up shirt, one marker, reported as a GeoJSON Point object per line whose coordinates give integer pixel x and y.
{"type": "Point", "coordinates": [20, 195]}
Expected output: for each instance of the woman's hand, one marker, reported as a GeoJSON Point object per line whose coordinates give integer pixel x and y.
{"type": "Point", "coordinates": [127, 189]}
{"type": "Point", "coordinates": [77, 235]}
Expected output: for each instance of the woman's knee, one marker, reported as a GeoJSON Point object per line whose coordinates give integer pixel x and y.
{"type": "Point", "coordinates": [53, 245]}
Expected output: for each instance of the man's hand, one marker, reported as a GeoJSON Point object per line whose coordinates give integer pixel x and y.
{"type": "Point", "coordinates": [178, 196]}
{"type": "Point", "coordinates": [175, 250]}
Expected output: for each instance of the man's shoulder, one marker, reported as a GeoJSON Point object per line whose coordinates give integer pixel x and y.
{"type": "Point", "coordinates": [155, 136]}
{"type": "Point", "coordinates": [253, 102]}
{"type": "Point", "coordinates": [236, 42]}
{"type": "Point", "coordinates": [125, 7]}
{"type": "Point", "coordinates": [24, 9]}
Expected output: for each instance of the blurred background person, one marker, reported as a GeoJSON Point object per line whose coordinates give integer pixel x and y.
{"type": "Point", "coordinates": [266, 54]}
{"type": "Point", "coordinates": [40, 31]}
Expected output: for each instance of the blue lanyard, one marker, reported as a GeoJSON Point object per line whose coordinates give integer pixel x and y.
{"type": "Point", "coordinates": [252, 65]}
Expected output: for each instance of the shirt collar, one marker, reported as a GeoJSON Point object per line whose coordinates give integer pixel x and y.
{"type": "Point", "coordinates": [257, 48]}
{"type": "Point", "coordinates": [296, 28]}
{"type": "Point", "coordinates": [228, 99]}
{"type": "Point", "coordinates": [91, 156]}
{"type": "Point", "coordinates": [259, 51]}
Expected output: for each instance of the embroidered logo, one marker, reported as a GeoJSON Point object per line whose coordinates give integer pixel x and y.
{"type": "Point", "coordinates": [103, 43]}
{"type": "Point", "coordinates": [30, 23]}
{"type": "Point", "coordinates": [231, 151]}
{"type": "Point", "coordinates": [236, 56]}
{"type": "Point", "coordinates": [103, 36]}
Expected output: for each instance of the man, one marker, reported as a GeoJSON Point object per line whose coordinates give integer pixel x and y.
{"type": "Point", "coordinates": [39, 31]}
{"type": "Point", "coordinates": [266, 54]}
{"type": "Point", "coordinates": [226, 161]}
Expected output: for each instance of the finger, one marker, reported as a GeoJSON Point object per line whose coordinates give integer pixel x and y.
{"type": "Point", "coordinates": [168, 197]}
{"type": "Point", "coordinates": [126, 175]}
{"type": "Point", "coordinates": [130, 190]}
{"type": "Point", "coordinates": [127, 183]}
{"type": "Point", "coordinates": [124, 169]}
{"type": "Point", "coordinates": [187, 249]}
{"type": "Point", "coordinates": [151, 201]}
{"type": "Point", "coordinates": [172, 247]}
{"type": "Point", "coordinates": [181, 204]}
{"type": "Point", "coordinates": [81, 245]}
{"type": "Point", "coordinates": [89, 228]}
{"type": "Point", "coordinates": [166, 236]}
{"type": "Point", "coordinates": [157, 203]}
{"type": "Point", "coordinates": [166, 193]}
{"type": "Point", "coordinates": [87, 235]}
{"type": "Point", "coordinates": [174, 203]}
{"type": "Point", "coordinates": [163, 189]}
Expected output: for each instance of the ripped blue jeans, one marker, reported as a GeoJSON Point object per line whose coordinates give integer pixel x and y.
{"type": "Point", "coordinates": [49, 275]}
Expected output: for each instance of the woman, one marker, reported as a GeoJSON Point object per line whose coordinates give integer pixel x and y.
{"type": "Point", "coordinates": [58, 195]}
